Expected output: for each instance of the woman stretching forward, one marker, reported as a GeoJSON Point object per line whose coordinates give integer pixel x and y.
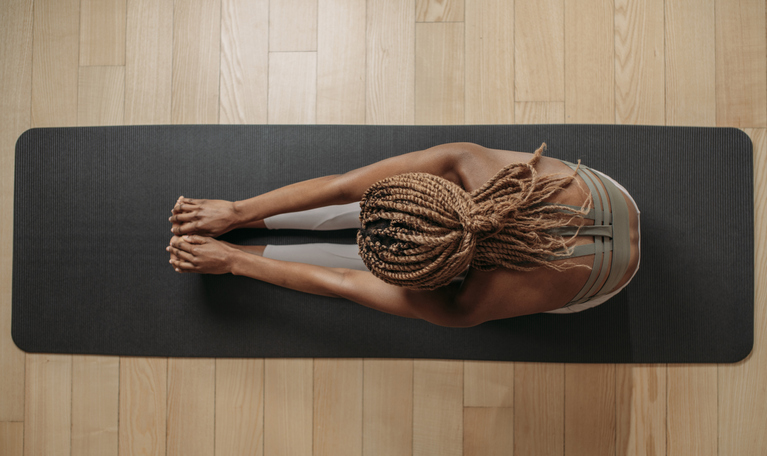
{"type": "Point", "coordinates": [457, 235]}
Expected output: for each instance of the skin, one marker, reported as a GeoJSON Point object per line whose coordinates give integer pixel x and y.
{"type": "Point", "coordinates": [481, 297]}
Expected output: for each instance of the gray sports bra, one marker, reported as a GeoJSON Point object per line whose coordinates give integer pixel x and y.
{"type": "Point", "coordinates": [611, 231]}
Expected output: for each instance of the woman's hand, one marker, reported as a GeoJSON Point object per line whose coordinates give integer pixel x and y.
{"type": "Point", "coordinates": [203, 217]}
{"type": "Point", "coordinates": [201, 254]}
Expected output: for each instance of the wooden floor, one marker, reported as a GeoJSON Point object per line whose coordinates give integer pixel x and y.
{"type": "Point", "coordinates": [106, 62]}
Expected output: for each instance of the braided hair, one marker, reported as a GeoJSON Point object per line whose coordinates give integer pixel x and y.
{"type": "Point", "coordinates": [420, 231]}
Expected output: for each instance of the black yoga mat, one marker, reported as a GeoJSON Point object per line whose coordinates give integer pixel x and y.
{"type": "Point", "coordinates": [91, 275]}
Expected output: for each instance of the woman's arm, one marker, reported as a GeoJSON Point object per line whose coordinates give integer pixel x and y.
{"type": "Point", "coordinates": [215, 217]}
{"type": "Point", "coordinates": [349, 187]}
{"type": "Point", "coordinates": [205, 255]}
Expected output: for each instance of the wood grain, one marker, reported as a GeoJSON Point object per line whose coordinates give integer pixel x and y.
{"type": "Point", "coordinates": [489, 74]}
{"type": "Point", "coordinates": [337, 407]}
{"type": "Point", "coordinates": [589, 62]}
{"type": "Point", "coordinates": [143, 406]}
{"type": "Point", "coordinates": [439, 10]}
{"type": "Point", "coordinates": [48, 405]}
{"type": "Point", "coordinates": [288, 406]}
{"type": "Point", "coordinates": [387, 412]}
{"type": "Point", "coordinates": [390, 75]}
{"type": "Point", "coordinates": [11, 438]}
{"type": "Point", "coordinates": [437, 407]}
{"type": "Point", "coordinates": [692, 410]}
{"type": "Point", "coordinates": [15, 105]}
{"type": "Point", "coordinates": [690, 64]}
{"type": "Point", "coordinates": [148, 62]}
{"type": "Point", "coordinates": [538, 112]}
{"type": "Point", "coordinates": [292, 25]}
{"type": "Point", "coordinates": [639, 62]}
{"type": "Point", "coordinates": [439, 68]}
{"type": "Point", "coordinates": [487, 431]}
{"type": "Point", "coordinates": [55, 63]}
{"type": "Point", "coordinates": [539, 51]}
{"type": "Point", "coordinates": [539, 413]}
{"type": "Point", "coordinates": [101, 96]}
{"type": "Point", "coordinates": [102, 32]}
{"type": "Point", "coordinates": [196, 61]}
{"type": "Point", "coordinates": [741, 66]}
{"type": "Point", "coordinates": [292, 87]}
{"type": "Point", "coordinates": [742, 393]}
{"type": "Point", "coordinates": [244, 61]}
{"type": "Point", "coordinates": [640, 409]}
{"type": "Point", "coordinates": [589, 410]}
{"type": "Point", "coordinates": [488, 384]}
{"type": "Point", "coordinates": [191, 407]}
{"type": "Point", "coordinates": [95, 395]}
{"type": "Point", "coordinates": [341, 62]}
{"type": "Point", "coordinates": [240, 406]}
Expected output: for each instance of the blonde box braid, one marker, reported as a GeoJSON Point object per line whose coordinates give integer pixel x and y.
{"type": "Point", "coordinates": [420, 231]}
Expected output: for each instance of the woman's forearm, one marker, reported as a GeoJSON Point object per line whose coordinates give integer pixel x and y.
{"type": "Point", "coordinates": [309, 194]}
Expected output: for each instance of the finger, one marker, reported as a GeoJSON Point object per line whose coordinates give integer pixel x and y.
{"type": "Point", "coordinates": [183, 266]}
{"type": "Point", "coordinates": [185, 205]}
{"type": "Point", "coordinates": [183, 217]}
{"type": "Point", "coordinates": [194, 239]}
{"type": "Point", "coordinates": [180, 244]}
{"type": "Point", "coordinates": [182, 255]}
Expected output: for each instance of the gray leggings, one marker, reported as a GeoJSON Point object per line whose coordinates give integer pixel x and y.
{"type": "Point", "coordinates": [326, 218]}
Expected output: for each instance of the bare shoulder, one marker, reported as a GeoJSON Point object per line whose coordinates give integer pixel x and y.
{"type": "Point", "coordinates": [475, 164]}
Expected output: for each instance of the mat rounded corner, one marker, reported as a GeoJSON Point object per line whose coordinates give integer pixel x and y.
{"type": "Point", "coordinates": [19, 341]}
{"type": "Point", "coordinates": [739, 134]}
{"type": "Point", "coordinates": [27, 137]}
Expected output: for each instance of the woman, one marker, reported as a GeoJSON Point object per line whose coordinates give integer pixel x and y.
{"type": "Point", "coordinates": [457, 235]}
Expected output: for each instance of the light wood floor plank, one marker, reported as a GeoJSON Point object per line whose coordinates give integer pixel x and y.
{"type": "Point", "coordinates": [589, 409]}
{"type": "Point", "coordinates": [48, 405]}
{"type": "Point", "coordinates": [488, 384]}
{"type": "Point", "coordinates": [95, 395]}
{"type": "Point", "coordinates": [439, 10]}
{"type": "Point", "coordinates": [387, 412]}
{"type": "Point", "coordinates": [196, 61]}
{"type": "Point", "coordinates": [191, 407]}
{"type": "Point", "coordinates": [539, 51]}
{"type": "Point", "coordinates": [244, 61]}
{"type": "Point", "coordinates": [101, 96]}
{"type": "Point", "coordinates": [742, 391]}
{"type": "Point", "coordinates": [11, 438]}
{"type": "Point", "coordinates": [148, 62]}
{"type": "Point", "coordinates": [292, 25]}
{"type": "Point", "coordinates": [55, 63]}
{"type": "Point", "coordinates": [439, 74]}
{"type": "Point", "coordinates": [338, 407]}
{"type": "Point", "coordinates": [539, 409]}
{"type": "Point", "coordinates": [240, 407]}
{"type": "Point", "coordinates": [589, 62]}
{"type": "Point", "coordinates": [692, 410]}
{"type": "Point", "coordinates": [390, 61]}
{"type": "Point", "coordinates": [690, 64]}
{"type": "Point", "coordinates": [15, 104]}
{"type": "Point", "coordinates": [143, 406]}
{"type": "Point", "coordinates": [288, 406]}
{"type": "Point", "coordinates": [489, 62]}
{"type": "Point", "coordinates": [641, 409]}
{"type": "Point", "coordinates": [341, 62]}
{"type": "Point", "coordinates": [292, 87]}
{"type": "Point", "coordinates": [437, 407]}
{"type": "Point", "coordinates": [487, 431]}
{"type": "Point", "coordinates": [102, 32]}
{"type": "Point", "coordinates": [639, 62]}
{"type": "Point", "coordinates": [741, 67]}
{"type": "Point", "coordinates": [539, 112]}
